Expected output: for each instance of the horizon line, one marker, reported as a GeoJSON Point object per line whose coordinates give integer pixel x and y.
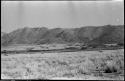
{"type": "Point", "coordinates": [61, 27]}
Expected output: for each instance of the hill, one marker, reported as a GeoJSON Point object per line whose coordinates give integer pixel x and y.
{"type": "Point", "coordinates": [90, 34]}
{"type": "Point", "coordinates": [2, 33]}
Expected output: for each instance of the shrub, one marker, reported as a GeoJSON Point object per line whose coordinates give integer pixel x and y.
{"type": "Point", "coordinates": [108, 64]}
{"type": "Point", "coordinates": [120, 44]}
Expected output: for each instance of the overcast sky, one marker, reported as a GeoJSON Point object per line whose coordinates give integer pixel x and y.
{"type": "Point", "coordinates": [65, 14]}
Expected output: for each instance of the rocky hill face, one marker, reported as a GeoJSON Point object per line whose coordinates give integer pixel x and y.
{"type": "Point", "coordinates": [103, 34]}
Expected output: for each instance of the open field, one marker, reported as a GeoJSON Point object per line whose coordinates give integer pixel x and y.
{"type": "Point", "coordinates": [52, 48]}
{"type": "Point", "coordinates": [85, 65]}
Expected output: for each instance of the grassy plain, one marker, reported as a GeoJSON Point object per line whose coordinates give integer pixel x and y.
{"type": "Point", "coordinates": [84, 65]}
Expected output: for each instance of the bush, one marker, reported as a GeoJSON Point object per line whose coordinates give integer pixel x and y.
{"type": "Point", "coordinates": [111, 67]}
{"type": "Point", "coordinates": [109, 64]}
{"type": "Point", "coordinates": [120, 44]}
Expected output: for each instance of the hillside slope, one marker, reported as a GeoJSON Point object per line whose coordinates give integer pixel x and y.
{"type": "Point", "coordinates": [2, 33]}
{"type": "Point", "coordinates": [103, 34]}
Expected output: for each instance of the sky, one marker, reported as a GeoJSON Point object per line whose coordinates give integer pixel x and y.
{"type": "Point", "coordinates": [64, 14]}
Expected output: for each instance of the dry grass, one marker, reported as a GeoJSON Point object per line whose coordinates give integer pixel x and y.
{"type": "Point", "coordinates": [86, 65]}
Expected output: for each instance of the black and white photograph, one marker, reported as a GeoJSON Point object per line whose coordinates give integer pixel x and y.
{"type": "Point", "coordinates": [62, 40]}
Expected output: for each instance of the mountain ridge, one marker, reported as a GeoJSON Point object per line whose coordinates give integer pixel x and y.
{"type": "Point", "coordinates": [89, 34]}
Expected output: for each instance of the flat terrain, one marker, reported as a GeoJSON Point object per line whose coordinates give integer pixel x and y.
{"type": "Point", "coordinates": [84, 65]}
